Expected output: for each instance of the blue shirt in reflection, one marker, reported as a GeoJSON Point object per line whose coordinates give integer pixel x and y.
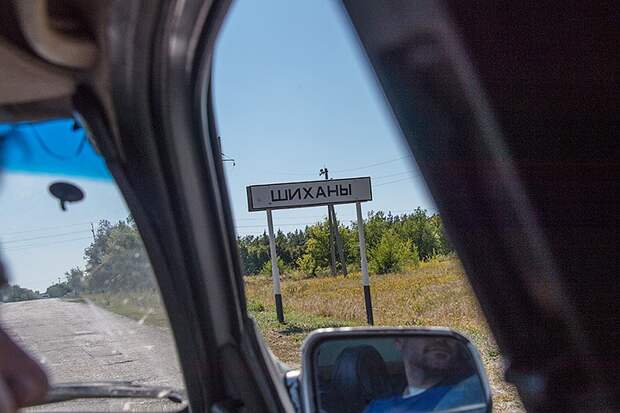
{"type": "Point", "coordinates": [437, 398]}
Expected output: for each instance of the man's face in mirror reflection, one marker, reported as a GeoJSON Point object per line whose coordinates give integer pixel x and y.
{"type": "Point", "coordinates": [427, 360]}
{"type": "Point", "coordinates": [402, 374]}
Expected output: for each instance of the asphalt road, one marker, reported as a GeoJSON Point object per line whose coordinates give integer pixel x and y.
{"type": "Point", "coordinates": [79, 342]}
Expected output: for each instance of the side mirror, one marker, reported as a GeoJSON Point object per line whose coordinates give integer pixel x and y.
{"type": "Point", "coordinates": [375, 370]}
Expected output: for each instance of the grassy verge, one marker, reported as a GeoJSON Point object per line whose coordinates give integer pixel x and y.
{"type": "Point", "coordinates": [285, 339]}
{"type": "Point", "coordinates": [143, 306]}
{"type": "Point", "coordinates": [435, 294]}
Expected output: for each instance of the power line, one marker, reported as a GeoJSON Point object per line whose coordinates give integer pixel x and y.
{"type": "Point", "coordinates": [393, 182]}
{"type": "Point", "coordinates": [45, 229]}
{"type": "Point", "coordinates": [42, 237]}
{"type": "Point", "coordinates": [373, 164]}
{"type": "Point", "coordinates": [357, 168]}
{"type": "Point", "coordinates": [27, 247]}
{"type": "Point", "coordinates": [223, 156]}
{"type": "Point", "coordinates": [391, 175]}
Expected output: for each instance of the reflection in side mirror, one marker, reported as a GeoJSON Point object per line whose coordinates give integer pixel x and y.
{"type": "Point", "coordinates": [392, 370]}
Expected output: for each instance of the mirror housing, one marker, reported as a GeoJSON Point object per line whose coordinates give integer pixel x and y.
{"type": "Point", "coordinates": [365, 353]}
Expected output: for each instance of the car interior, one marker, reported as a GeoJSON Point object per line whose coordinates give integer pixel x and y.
{"type": "Point", "coordinates": [510, 110]}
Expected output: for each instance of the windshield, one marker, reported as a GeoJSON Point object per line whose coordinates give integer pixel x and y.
{"type": "Point", "coordinates": [82, 297]}
{"type": "Point", "coordinates": [301, 118]}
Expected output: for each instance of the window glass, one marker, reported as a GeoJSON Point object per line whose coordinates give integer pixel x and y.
{"type": "Point", "coordinates": [294, 96]}
{"type": "Point", "coordinates": [82, 296]}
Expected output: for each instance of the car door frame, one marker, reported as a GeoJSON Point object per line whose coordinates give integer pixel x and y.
{"type": "Point", "coordinates": [438, 98]}
{"type": "Point", "coordinates": [157, 134]}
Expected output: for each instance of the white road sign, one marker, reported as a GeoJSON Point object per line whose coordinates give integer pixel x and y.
{"type": "Point", "coordinates": [307, 194]}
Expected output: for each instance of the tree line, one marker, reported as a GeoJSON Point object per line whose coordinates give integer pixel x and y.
{"type": "Point", "coordinates": [117, 261]}
{"type": "Point", "coordinates": [12, 293]}
{"type": "Point", "coordinates": [393, 242]}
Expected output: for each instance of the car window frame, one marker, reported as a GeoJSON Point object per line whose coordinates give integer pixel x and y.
{"type": "Point", "coordinates": [158, 140]}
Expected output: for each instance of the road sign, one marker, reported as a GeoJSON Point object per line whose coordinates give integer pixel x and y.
{"type": "Point", "coordinates": [307, 194]}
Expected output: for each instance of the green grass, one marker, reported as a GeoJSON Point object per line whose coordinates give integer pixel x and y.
{"type": "Point", "coordinates": [285, 339]}
{"type": "Point", "coordinates": [434, 294]}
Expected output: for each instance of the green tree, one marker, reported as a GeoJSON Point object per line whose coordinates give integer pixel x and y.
{"type": "Point", "coordinates": [316, 257]}
{"type": "Point", "coordinates": [94, 253]}
{"type": "Point", "coordinates": [350, 242]}
{"type": "Point", "coordinates": [290, 246]}
{"type": "Point", "coordinates": [13, 293]}
{"type": "Point", "coordinates": [374, 227]}
{"type": "Point", "coordinates": [266, 268]}
{"type": "Point", "coordinates": [58, 290]}
{"type": "Point", "coordinates": [445, 247]}
{"type": "Point", "coordinates": [391, 253]}
{"type": "Point", "coordinates": [425, 234]}
{"type": "Point", "coordinates": [254, 252]}
{"type": "Point", "coordinates": [117, 260]}
{"type": "Point", "coordinates": [307, 264]}
{"type": "Point", "coordinates": [75, 280]}
{"type": "Point", "coordinates": [123, 261]}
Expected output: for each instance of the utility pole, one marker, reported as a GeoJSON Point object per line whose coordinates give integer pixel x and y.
{"type": "Point", "coordinates": [225, 158]}
{"type": "Point", "coordinates": [339, 246]}
{"type": "Point", "coordinates": [334, 234]}
{"type": "Point", "coordinates": [332, 250]}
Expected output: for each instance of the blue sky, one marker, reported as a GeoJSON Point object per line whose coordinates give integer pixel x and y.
{"type": "Point", "coordinates": [293, 93]}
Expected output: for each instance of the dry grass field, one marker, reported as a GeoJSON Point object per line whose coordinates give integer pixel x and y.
{"type": "Point", "coordinates": [435, 294]}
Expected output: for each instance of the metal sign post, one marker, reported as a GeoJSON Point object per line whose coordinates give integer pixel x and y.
{"type": "Point", "coordinates": [364, 264]}
{"type": "Point", "coordinates": [275, 271]}
{"type": "Point", "coordinates": [332, 247]}
{"type": "Point", "coordinates": [330, 221]}
{"type": "Point", "coordinates": [309, 194]}
{"type": "Point", "coordinates": [339, 245]}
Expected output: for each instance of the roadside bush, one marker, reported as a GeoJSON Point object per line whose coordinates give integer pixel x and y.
{"type": "Point", "coordinates": [307, 264]}
{"type": "Point", "coordinates": [392, 253]}
{"type": "Point", "coordinates": [254, 252]}
{"type": "Point", "coordinates": [425, 232]}
{"type": "Point", "coordinates": [266, 268]}
{"type": "Point", "coordinates": [316, 256]}
{"type": "Point", "coordinates": [58, 290]}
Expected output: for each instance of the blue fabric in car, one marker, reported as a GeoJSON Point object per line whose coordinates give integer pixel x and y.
{"type": "Point", "coordinates": [359, 376]}
{"type": "Point", "coordinates": [443, 396]}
